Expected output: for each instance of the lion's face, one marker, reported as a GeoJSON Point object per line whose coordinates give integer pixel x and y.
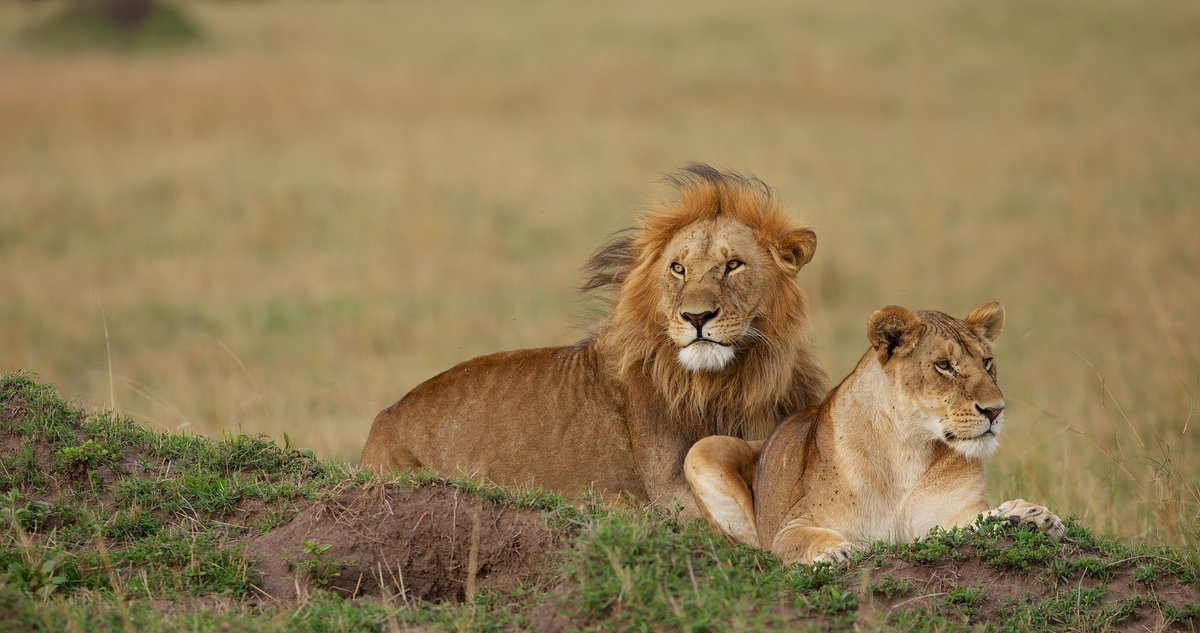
{"type": "Point", "coordinates": [713, 276]}
{"type": "Point", "coordinates": [944, 367]}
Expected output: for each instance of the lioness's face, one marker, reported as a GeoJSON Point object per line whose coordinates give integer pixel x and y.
{"type": "Point", "coordinates": [713, 275]}
{"type": "Point", "coordinates": [953, 376]}
{"type": "Point", "coordinates": [944, 368]}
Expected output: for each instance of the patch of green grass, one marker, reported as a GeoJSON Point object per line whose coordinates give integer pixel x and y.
{"type": "Point", "coordinates": [1069, 610]}
{"type": "Point", "coordinates": [918, 620]}
{"type": "Point", "coordinates": [1015, 549]}
{"type": "Point", "coordinates": [891, 587]}
{"type": "Point", "coordinates": [968, 596]}
{"type": "Point", "coordinates": [36, 410]}
{"type": "Point", "coordinates": [643, 571]}
{"type": "Point", "coordinates": [1188, 614]}
{"type": "Point", "coordinates": [925, 551]}
{"type": "Point", "coordinates": [154, 518]}
{"type": "Point", "coordinates": [1092, 567]}
{"type": "Point", "coordinates": [132, 523]}
{"type": "Point", "coordinates": [21, 468]}
{"type": "Point", "coordinates": [561, 513]}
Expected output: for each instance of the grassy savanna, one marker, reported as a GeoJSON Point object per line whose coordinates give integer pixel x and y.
{"type": "Point", "coordinates": [284, 229]}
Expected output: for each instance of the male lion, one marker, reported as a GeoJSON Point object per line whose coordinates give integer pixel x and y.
{"type": "Point", "coordinates": [895, 450]}
{"type": "Point", "coordinates": [707, 333]}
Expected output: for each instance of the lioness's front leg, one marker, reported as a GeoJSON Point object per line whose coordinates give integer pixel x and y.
{"type": "Point", "coordinates": [797, 542]}
{"type": "Point", "coordinates": [1022, 512]}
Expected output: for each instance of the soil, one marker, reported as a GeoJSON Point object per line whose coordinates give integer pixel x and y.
{"type": "Point", "coordinates": [425, 543]}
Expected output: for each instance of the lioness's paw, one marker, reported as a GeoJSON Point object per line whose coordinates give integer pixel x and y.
{"type": "Point", "coordinates": [1021, 512]}
{"type": "Point", "coordinates": [840, 553]}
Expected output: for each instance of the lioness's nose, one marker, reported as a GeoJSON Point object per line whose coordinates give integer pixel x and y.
{"type": "Point", "coordinates": [699, 319]}
{"type": "Point", "coordinates": [991, 412]}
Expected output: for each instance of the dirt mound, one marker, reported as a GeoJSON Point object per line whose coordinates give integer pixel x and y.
{"type": "Point", "coordinates": [428, 543]}
{"type": "Point", "coordinates": [982, 593]}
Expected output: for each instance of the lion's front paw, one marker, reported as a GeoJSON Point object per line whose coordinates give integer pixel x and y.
{"type": "Point", "coordinates": [1021, 512]}
{"type": "Point", "coordinates": [839, 553]}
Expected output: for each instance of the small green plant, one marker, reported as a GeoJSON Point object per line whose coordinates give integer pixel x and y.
{"type": "Point", "coordinates": [1061, 570]}
{"type": "Point", "coordinates": [807, 578]}
{"type": "Point", "coordinates": [132, 523]}
{"type": "Point", "coordinates": [829, 600]}
{"type": "Point", "coordinates": [962, 602]}
{"type": "Point", "coordinates": [25, 515]}
{"type": "Point", "coordinates": [318, 568]}
{"type": "Point", "coordinates": [1092, 567]}
{"type": "Point", "coordinates": [926, 551]}
{"type": "Point", "coordinates": [40, 576]}
{"type": "Point", "coordinates": [86, 457]}
{"type": "Point", "coordinates": [967, 596]}
{"type": "Point", "coordinates": [890, 587]}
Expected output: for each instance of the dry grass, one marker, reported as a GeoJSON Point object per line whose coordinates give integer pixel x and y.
{"type": "Point", "coordinates": [290, 227]}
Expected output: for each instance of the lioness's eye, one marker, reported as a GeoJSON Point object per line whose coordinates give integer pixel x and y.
{"type": "Point", "coordinates": [733, 265]}
{"type": "Point", "coordinates": [677, 268]}
{"type": "Point", "coordinates": [942, 365]}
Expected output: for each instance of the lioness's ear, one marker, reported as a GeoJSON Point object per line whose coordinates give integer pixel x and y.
{"type": "Point", "coordinates": [987, 320]}
{"type": "Point", "coordinates": [796, 248]}
{"type": "Point", "coordinates": [893, 330]}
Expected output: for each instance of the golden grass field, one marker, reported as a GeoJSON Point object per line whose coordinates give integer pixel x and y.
{"type": "Point", "coordinates": [285, 229]}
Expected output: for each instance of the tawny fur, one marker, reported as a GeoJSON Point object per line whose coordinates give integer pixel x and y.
{"type": "Point", "coordinates": [895, 450]}
{"type": "Point", "coordinates": [616, 413]}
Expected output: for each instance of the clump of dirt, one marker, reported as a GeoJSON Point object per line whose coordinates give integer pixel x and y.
{"type": "Point", "coordinates": [1002, 589]}
{"type": "Point", "coordinates": [931, 582]}
{"type": "Point", "coordinates": [427, 543]}
{"type": "Point", "coordinates": [14, 407]}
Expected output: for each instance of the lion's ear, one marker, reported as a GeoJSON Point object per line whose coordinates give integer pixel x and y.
{"type": "Point", "coordinates": [987, 320]}
{"type": "Point", "coordinates": [893, 330]}
{"type": "Point", "coordinates": [796, 248]}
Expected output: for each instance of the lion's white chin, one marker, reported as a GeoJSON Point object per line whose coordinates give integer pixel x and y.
{"type": "Point", "coordinates": [705, 356]}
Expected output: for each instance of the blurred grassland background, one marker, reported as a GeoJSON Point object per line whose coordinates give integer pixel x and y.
{"type": "Point", "coordinates": [285, 228]}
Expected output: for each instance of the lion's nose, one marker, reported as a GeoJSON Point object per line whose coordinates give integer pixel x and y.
{"type": "Point", "coordinates": [699, 319]}
{"type": "Point", "coordinates": [991, 413]}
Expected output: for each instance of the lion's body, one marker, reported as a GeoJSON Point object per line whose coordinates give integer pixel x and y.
{"type": "Point", "coordinates": [708, 333]}
{"type": "Point", "coordinates": [455, 424]}
{"type": "Point", "coordinates": [895, 450]}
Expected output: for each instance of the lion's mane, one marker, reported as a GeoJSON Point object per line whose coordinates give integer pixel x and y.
{"type": "Point", "coordinates": [775, 373]}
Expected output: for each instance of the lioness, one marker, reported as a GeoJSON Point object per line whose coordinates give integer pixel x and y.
{"type": "Point", "coordinates": [895, 450]}
{"type": "Point", "coordinates": [708, 333]}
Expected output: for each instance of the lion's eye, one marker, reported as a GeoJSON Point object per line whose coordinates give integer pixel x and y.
{"type": "Point", "coordinates": [987, 364]}
{"type": "Point", "coordinates": [677, 268]}
{"type": "Point", "coordinates": [733, 265]}
{"type": "Point", "coordinates": [943, 366]}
